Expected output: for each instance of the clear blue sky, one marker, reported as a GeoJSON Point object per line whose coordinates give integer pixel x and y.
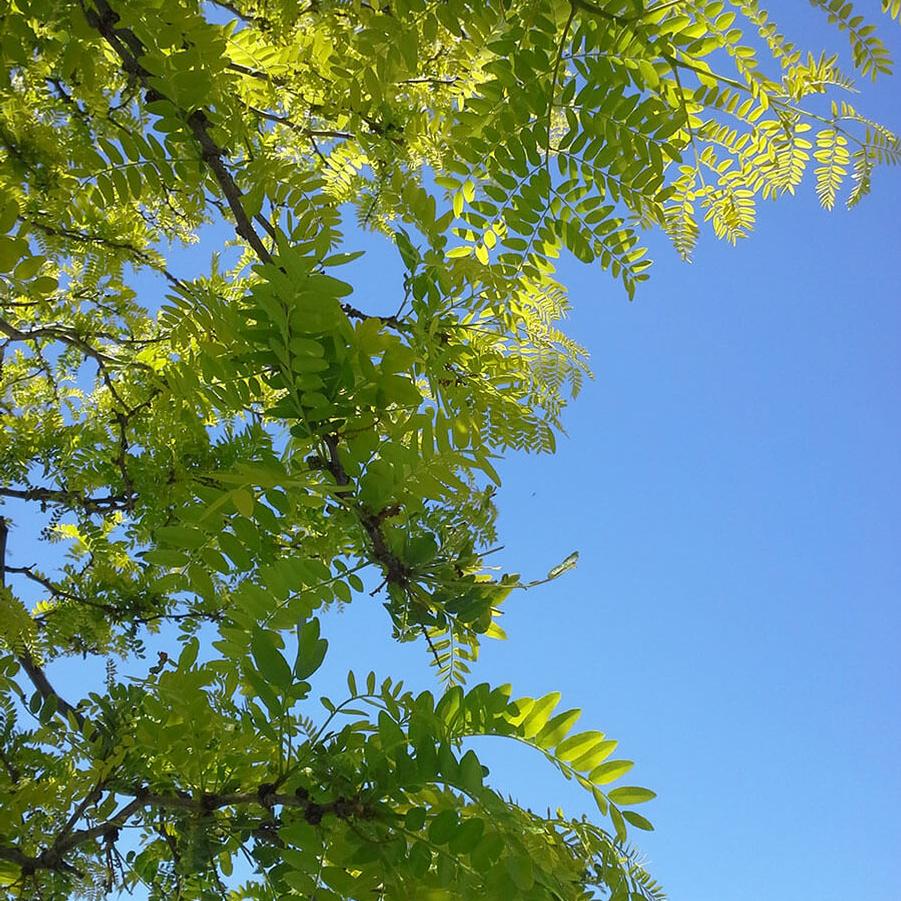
{"type": "Point", "coordinates": [732, 480]}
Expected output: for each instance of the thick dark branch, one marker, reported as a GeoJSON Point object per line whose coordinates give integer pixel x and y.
{"type": "Point", "coordinates": [52, 857]}
{"type": "Point", "coordinates": [29, 573]}
{"type": "Point", "coordinates": [213, 155]}
{"type": "Point", "coordinates": [55, 333]}
{"type": "Point", "coordinates": [265, 796]}
{"type": "Point", "coordinates": [4, 534]}
{"type": "Point", "coordinates": [57, 496]}
{"type": "Point", "coordinates": [27, 662]}
{"type": "Point", "coordinates": [130, 50]}
{"type": "Point", "coordinates": [393, 567]}
{"type": "Point", "coordinates": [353, 313]}
{"type": "Point", "coordinates": [45, 689]}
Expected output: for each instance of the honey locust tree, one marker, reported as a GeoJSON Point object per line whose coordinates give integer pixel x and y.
{"type": "Point", "coordinates": [217, 458]}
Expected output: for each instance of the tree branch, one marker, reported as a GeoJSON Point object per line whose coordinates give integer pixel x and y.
{"type": "Point", "coordinates": [247, 18]}
{"type": "Point", "coordinates": [130, 50]}
{"type": "Point", "coordinates": [45, 689]}
{"type": "Point", "coordinates": [203, 805]}
{"type": "Point", "coordinates": [119, 615]}
{"type": "Point", "coordinates": [394, 569]}
{"type": "Point", "coordinates": [300, 129]}
{"type": "Point", "coordinates": [26, 660]}
{"type": "Point", "coordinates": [103, 504]}
{"type": "Point", "coordinates": [353, 313]}
{"type": "Point", "coordinates": [56, 333]}
{"type": "Point", "coordinates": [110, 243]}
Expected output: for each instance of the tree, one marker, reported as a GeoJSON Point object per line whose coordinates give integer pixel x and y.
{"type": "Point", "coordinates": [223, 456]}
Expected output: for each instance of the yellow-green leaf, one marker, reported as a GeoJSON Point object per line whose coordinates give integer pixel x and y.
{"type": "Point", "coordinates": [610, 771]}
{"type": "Point", "coordinates": [631, 794]}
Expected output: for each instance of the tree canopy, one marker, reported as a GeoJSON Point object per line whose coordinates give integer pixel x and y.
{"type": "Point", "coordinates": [218, 458]}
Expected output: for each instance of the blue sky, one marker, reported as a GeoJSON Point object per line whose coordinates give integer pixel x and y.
{"type": "Point", "coordinates": [732, 480]}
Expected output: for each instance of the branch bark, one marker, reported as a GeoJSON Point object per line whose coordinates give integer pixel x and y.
{"type": "Point", "coordinates": [129, 49]}
{"type": "Point", "coordinates": [103, 504]}
{"type": "Point", "coordinates": [392, 566]}
{"type": "Point", "coordinates": [37, 676]}
{"type": "Point", "coordinates": [52, 858]}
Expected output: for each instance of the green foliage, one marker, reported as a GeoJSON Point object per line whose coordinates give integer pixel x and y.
{"type": "Point", "coordinates": [222, 457]}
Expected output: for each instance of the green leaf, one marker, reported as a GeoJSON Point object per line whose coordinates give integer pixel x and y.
{"type": "Point", "coordinates": [630, 795]}
{"type": "Point", "coordinates": [539, 714]}
{"type": "Point", "coordinates": [467, 836]}
{"type": "Point", "coordinates": [637, 820]}
{"type": "Point", "coordinates": [470, 772]}
{"type": "Point", "coordinates": [450, 706]}
{"type": "Point", "coordinates": [390, 732]}
{"type": "Point", "coordinates": [11, 251]}
{"type": "Point", "coordinates": [444, 826]}
{"type": "Point", "coordinates": [9, 212]}
{"type": "Point", "coordinates": [415, 819]}
{"type": "Point", "coordinates": [599, 753]}
{"type": "Point", "coordinates": [341, 259]}
{"type": "Point", "coordinates": [339, 880]}
{"type": "Point", "coordinates": [182, 537]}
{"type": "Point", "coordinates": [311, 650]}
{"type": "Point", "coordinates": [269, 661]}
{"type": "Point", "coordinates": [601, 800]}
{"type": "Point", "coordinates": [243, 501]}
{"type": "Point", "coordinates": [521, 871]}
{"type": "Point", "coordinates": [29, 267]}
{"type": "Point", "coordinates": [165, 557]}
{"type": "Point", "coordinates": [610, 771]}
{"type": "Point", "coordinates": [619, 824]}
{"type": "Point", "coordinates": [189, 653]}
{"type": "Point", "coordinates": [578, 745]}
{"type": "Point", "coordinates": [556, 728]}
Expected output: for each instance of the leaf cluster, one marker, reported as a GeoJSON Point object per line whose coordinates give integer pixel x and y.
{"type": "Point", "coordinates": [219, 453]}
